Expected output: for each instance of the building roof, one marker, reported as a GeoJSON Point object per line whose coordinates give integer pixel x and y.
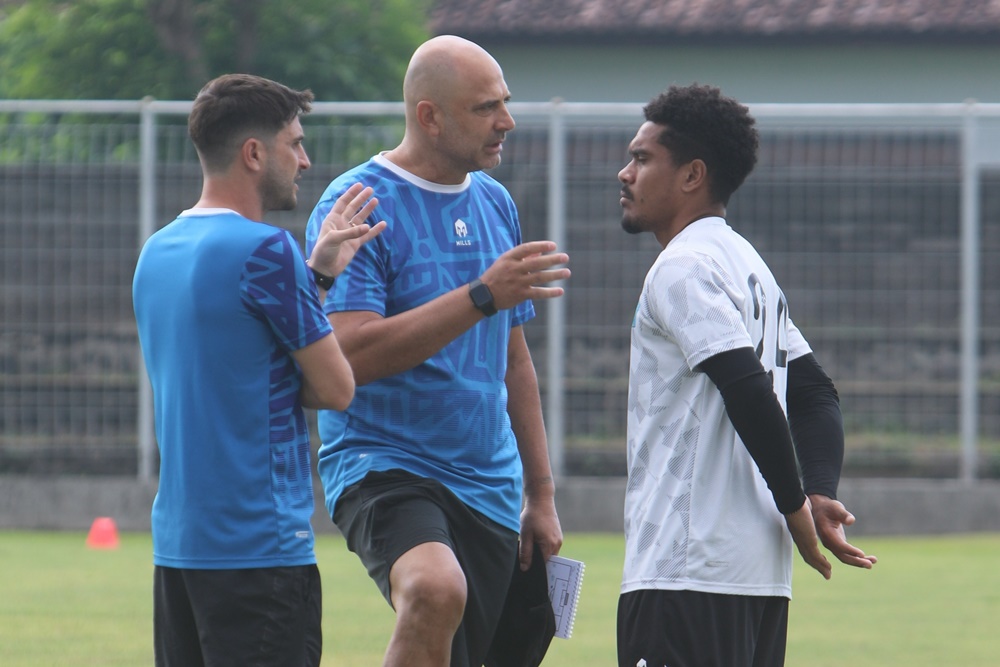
{"type": "Point", "coordinates": [529, 20]}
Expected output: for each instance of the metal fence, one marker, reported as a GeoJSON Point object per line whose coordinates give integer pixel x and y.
{"type": "Point", "coordinates": [882, 223]}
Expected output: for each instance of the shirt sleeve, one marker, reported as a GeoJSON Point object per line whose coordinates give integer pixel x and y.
{"type": "Point", "coordinates": [278, 287]}
{"type": "Point", "coordinates": [817, 425]}
{"type": "Point", "coordinates": [697, 305]}
{"type": "Point", "coordinates": [760, 422]}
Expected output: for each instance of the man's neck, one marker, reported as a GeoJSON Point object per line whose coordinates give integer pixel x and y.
{"type": "Point", "coordinates": [219, 195]}
{"type": "Point", "coordinates": [416, 162]}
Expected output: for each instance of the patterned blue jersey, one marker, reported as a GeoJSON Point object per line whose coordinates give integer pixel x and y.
{"type": "Point", "coordinates": [220, 302]}
{"type": "Point", "coordinates": [447, 418]}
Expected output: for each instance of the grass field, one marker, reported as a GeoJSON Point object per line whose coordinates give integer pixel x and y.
{"type": "Point", "coordinates": [929, 602]}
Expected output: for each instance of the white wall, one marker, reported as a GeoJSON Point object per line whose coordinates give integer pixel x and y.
{"type": "Point", "coordinates": [864, 73]}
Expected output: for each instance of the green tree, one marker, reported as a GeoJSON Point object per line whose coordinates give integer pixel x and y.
{"type": "Point", "coordinates": [99, 49]}
{"type": "Point", "coordinates": [126, 49]}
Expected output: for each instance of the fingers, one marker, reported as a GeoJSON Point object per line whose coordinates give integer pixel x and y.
{"type": "Point", "coordinates": [374, 231]}
{"type": "Point", "coordinates": [352, 199]}
{"type": "Point", "coordinates": [353, 232]}
{"type": "Point", "coordinates": [525, 549]}
{"type": "Point", "coordinates": [850, 555]}
{"type": "Point", "coordinates": [808, 547]}
{"type": "Point", "coordinates": [538, 293]}
{"type": "Point", "coordinates": [524, 261]}
{"type": "Point", "coordinates": [523, 272]}
{"type": "Point", "coordinates": [817, 561]}
{"type": "Point", "coordinates": [344, 230]}
{"type": "Point", "coordinates": [831, 516]}
{"type": "Point", "coordinates": [549, 275]}
{"type": "Point", "coordinates": [535, 256]}
{"type": "Point", "coordinates": [363, 232]}
{"type": "Point", "coordinates": [532, 258]}
{"type": "Point", "coordinates": [861, 560]}
{"type": "Point", "coordinates": [539, 526]}
{"type": "Point", "coordinates": [803, 531]}
{"type": "Point", "coordinates": [351, 208]}
{"type": "Point", "coordinates": [530, 248]}
{"type": "Point", "coordinates": [365, 211]}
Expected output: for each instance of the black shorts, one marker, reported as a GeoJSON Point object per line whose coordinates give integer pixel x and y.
{"type": "Point", "coordinates": [694, 629]}
{"type": "Point", "coordinates": [388, 513]}
{"type": "Point", "coordinates": [262, 616]}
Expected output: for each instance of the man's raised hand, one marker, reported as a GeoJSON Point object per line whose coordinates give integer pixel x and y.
{"type": "Point", "coordinates": [344, 230]}
{"type": "Point", "coordinates": [523, 272]}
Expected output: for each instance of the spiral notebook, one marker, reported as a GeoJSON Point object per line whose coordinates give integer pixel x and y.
{"type": "Point", "coordinates": [565, 577]}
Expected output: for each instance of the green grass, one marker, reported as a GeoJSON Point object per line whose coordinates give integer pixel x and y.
{"type": "Point", "coordinates": [929, 602]}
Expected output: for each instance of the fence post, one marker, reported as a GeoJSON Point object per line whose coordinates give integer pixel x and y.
{"type": "Point", "coordinates": [556, 331]}
{"type": "Point", "coordinates": [969, 347]}
{"type": "Point", "coordinates": [147, 213]}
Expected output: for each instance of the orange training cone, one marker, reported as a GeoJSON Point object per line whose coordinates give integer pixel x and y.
{"type": "Point", "coordinates": [103, 534]}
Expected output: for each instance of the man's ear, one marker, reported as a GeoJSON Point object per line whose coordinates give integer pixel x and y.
{"type": "Point", "coordinates": [428, 115]}
{"type": "Point", "coordinates": [252, 153]}
{"type": "Point", "coordinates": [695, 175]}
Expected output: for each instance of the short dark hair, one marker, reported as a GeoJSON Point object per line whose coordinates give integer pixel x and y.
{"type": "Point", "coordinates": [701, 123]}
{"type": "Point", "coordinates": [233, 107]}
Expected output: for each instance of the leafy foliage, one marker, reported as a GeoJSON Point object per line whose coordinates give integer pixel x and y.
{"type": "Point", "coordinates": [99, 49]}
{"type": "Point", "coordinates": [127, 49]}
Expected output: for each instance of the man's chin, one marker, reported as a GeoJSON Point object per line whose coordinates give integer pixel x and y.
{"type": "Point", "coordinates": [491, 162]}
{"type": "Point", "coordinates": [286, 204]}
{"type": "Point", "coordinates": [631, 226]}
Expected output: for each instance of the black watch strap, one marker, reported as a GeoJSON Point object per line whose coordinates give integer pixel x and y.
{"type": "Point", "coordinates": [482, 298]}
{"type": "Point", "coordinates": [323, 281]}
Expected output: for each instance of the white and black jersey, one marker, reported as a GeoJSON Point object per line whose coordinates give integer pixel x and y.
{"type": "Point", "coordinates": [698, 514]}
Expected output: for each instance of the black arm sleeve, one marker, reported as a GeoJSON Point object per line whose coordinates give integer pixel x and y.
{"type": "Point", "coordinates": [817, 425]}
{"type": "Point", "coordinates": [759, 420]}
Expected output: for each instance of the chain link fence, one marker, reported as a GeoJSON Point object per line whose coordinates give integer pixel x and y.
{"type": "Point", "coordinates": [881, 224]}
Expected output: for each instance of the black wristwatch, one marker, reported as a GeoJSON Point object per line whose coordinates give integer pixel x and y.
{"type": "Point", "coordinates": [482, 298]}
{"type": "Point", "coordinates": [323, 281]}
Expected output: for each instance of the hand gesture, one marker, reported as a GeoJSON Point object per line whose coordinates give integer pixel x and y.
{"type": "Point", "coordinates": [830, 516]}
{"type": "Point", "coordinates": [521, 273]}
{"type": "Point", "coordinates": [344, 230]}
{"type": "Point", "coordinates": [803, 530]}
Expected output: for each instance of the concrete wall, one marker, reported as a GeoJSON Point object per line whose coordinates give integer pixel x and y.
{"type": "Point", "coordinates": [803, 73]}
{"type": "Point", "coordinates": [586, 504]}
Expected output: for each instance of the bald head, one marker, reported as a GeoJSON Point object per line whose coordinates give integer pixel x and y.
{"type": "Point", "coordinates": [443, 65]}
{"type": "Point", "coordinates": [456, 111]}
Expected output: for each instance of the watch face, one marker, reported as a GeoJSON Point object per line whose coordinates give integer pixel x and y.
{"type": "Point", "coordinates": [482, 298]}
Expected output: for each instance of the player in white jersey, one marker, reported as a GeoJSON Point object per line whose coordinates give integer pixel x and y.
{"type": "Point", "coordinates": [714, 500]}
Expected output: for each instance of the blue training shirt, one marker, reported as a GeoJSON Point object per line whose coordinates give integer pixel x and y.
{"type": "Point", "coordinates": [220, 301]}
{"type": "Point", "coordinates": [447, 418]}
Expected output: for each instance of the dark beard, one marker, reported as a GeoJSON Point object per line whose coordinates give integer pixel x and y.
{"type": "Point", "coordinates": [631, 225]}
{"type": "Point", "coordinates": [277, 196]}
{"type": "Point", "coordinates": [279, 201]}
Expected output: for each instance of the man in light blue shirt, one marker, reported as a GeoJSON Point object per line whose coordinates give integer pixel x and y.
{"type": "Point", "coordinates": [236, 344]}
{"type": "Point", "coordinates": [423, 472]}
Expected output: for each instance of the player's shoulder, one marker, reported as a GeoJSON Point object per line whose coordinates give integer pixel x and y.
{"type": "Point", "coordinates": [716, 243]}
{"type": "Point", "coordinates": [697, 264]}
{"type": "Point", "coordinates": [486, 188]}
{"type": "Point", "coordinates": [369, 172]}
{"type": "Point", "coordinates": [484, 181]}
